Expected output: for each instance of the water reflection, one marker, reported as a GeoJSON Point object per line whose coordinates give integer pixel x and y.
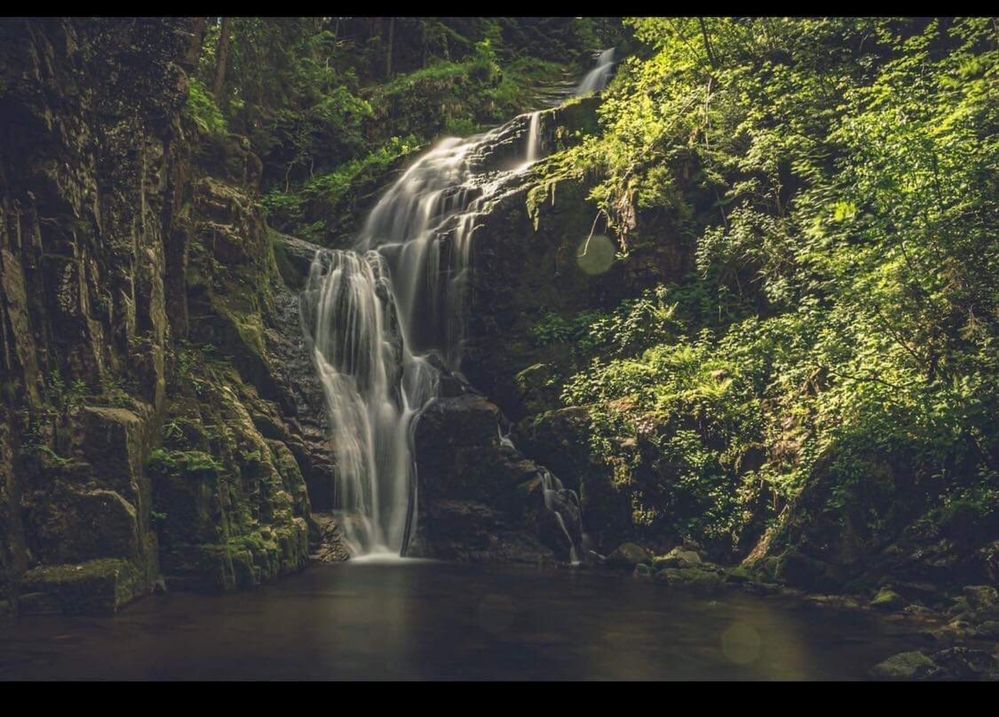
{"type": "Point", "coordinates": [426, 620]}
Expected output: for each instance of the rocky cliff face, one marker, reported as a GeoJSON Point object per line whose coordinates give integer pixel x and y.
{"type": "Point", "coordinates": [143, 429]}
{"type": "Point", "coordinates": [89, 158]}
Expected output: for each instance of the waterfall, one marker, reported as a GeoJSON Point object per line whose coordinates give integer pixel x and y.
{"type": "Point", "coordinates": [383, 317]}
{"type": "Point", "coordinates": [597, 78]}
{"type": "Point", "coordinates": [562, 502]}
{"type": "Point", "coordinates": [533, 138]}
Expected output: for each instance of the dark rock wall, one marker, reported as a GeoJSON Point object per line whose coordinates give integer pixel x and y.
{"type": "Point", "coordinates": [88, 154]}
{"type": "Point", "coordinates": [137, 316]}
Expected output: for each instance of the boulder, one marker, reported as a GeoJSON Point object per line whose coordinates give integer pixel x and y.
{"type": "Point", "coordinates": [906, 666]}
{"type": "Point", "coordinates": [94, 587]}
{"type": "Point", "coordinates": [806, 573]}
{"type": "Point", "coordinates": [677, 558]}
{"type": "Point", "coordinates": [628, 555]}
{"type": "Point", "coordinates": [981, 597]}
{"type": "Point", "coordinates": [962, 663]}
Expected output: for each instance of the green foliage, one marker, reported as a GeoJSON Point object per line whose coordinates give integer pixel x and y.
{"type": "Point", "coordinates": [837, 179]}
{"type": "Point", "coordinates": [201, 108]}
{"type": "Point", "coordinates": [334, 193]}
{"type": "Point", "coordinates": [62, 397]}
{"type": "Point", "coordinates": [553, 328]}
{"type": "Point", "coordinates": [679, 420]}
{"type": "Point", "coordinates": [313, 93]}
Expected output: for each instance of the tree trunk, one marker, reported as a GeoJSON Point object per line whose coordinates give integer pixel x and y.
{"type": "Point", "coordinates": [388, 52]}
{"type": "Point", "coordinates": [707, 42]}
{"type": "Point", "coordinates": [221, 55]}
{"type": "Point", "coordinates": [198, 27]}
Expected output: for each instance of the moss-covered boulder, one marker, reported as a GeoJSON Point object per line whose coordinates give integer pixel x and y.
{"type": "Point", "coordinates": [93, 587]}
{"type": "Point", "coordinates": [912, 665]}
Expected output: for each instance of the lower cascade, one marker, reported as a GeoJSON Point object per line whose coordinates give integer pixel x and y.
{"type": "Point", "coordinates": [385, 317]}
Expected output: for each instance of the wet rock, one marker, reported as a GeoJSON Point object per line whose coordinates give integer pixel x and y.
{"type": "Point", "coordinates": [628, 555]}
{"type": "Point", "coordinates": [469, 531]}
{"type": "Point", "coordinates": [988, 630]}
{"type": "Point", "coordinates": [739, 575]}
{"type": "Point", "coordinates": [918, 611]}
{"type": "Point", "coordinates": [959, 629]}
{"type": "Point", "coordinates": [887, 600]}
{"type": "Point", "coordinates": [962, 663]}
{"type": "Point", "coordinates": [558, 440]}
{"type": "Point", "coordinates": [463, 461]}
{"type": "Point", "coordinates": [697, 579]}
{"type": "Point", "coordinates": [841, 602]}
{"type": "Point", "coordinates": [677, 558]}
{"type": "Point", "coordinates": [807, 573]}
{"type": "Point", "coordinates": [981, 597]}
{"type": "Point", "coordinates": [913, 665]}
{"type": "Point", "coordinates": [330, 547]}
{"type": "Point", "coordinates": [644, 571]}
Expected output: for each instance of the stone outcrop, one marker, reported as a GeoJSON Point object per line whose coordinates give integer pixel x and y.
{"type": "Point", "coordinates": [479, 498]}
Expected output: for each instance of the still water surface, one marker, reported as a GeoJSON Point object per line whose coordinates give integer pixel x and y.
{"type": "Point", "coordinates": [417, 620]}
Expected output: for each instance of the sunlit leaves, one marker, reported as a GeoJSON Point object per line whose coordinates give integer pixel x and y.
{"type": "Point", "coordinates": [854, 165]}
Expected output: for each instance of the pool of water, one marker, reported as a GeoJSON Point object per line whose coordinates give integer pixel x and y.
{"type": "Point", "coordinates": [423, 620]}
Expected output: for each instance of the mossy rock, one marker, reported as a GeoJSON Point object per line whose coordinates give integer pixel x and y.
{"type": "Point", "coordinates": [677, 558]}
{"type": "Point", "coordinates": [887, 600]}
{"type": "Point", "coordinates": [697, 579]}
{"type": "Point", "coordinates": [199, 568]}
{"type": "Point", "coordinates": [95, 587]}
{"type": "Point", "coordinates": [906, 666]}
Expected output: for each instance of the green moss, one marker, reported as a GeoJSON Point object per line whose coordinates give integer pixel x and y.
{"type": "Point", "coordinates": [191, 462]}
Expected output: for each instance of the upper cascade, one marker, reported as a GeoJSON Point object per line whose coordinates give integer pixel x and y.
{"type": "Point", "coordinates": [597, 78]}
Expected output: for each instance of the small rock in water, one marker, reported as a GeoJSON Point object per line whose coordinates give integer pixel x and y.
{"type": "Point", "coordinates": [906, 666]}
{"type": "Point", "coordinates": [887, 600]}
